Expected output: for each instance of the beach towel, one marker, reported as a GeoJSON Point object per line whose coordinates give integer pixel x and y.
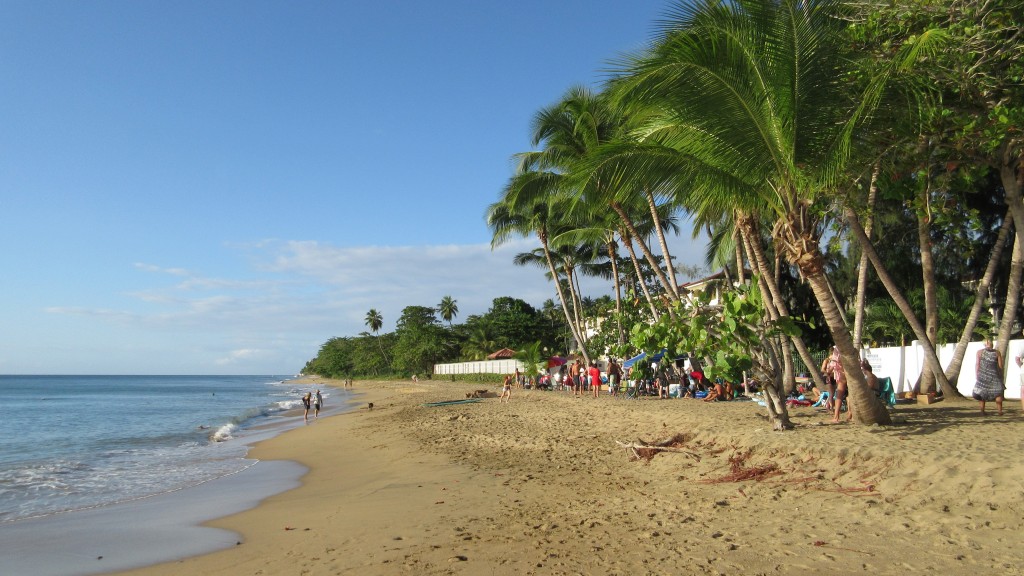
{"type": "Point", "coordinates": [821, 400]}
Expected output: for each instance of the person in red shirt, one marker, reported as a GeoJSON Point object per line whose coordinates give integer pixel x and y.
{"type": "Point", "coordinates": [595, 379]}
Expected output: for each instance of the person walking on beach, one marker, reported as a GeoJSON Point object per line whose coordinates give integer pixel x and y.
{"type": "Point", "coordinates": [989, 373]}
{"type": "Point", "coordinates": [305, 404]}
{"type": "Point", "coordinates": [318, 401]}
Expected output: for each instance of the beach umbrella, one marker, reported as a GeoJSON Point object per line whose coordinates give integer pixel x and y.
{"type": "Point", "coordinates": [634, 360]}
{"type": "Point", "coordinates": [556, 361]}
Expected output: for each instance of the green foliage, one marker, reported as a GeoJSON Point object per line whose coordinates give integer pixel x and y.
{"type": "Point", "coordinates": [732, 334]}
{"type": "Point", "coordinates": [532, 357]}
{"type": "Point", "coordinates": [422, 341]}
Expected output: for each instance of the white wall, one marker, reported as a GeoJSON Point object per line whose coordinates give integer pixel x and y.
{"type": "Point", "coordinates": [482, 367]}
{"type": "Point", "coordinates": [904, 364]}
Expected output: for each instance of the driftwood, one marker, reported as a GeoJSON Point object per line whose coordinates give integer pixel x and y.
{"type": "Point", "coordinates": [645, 450]}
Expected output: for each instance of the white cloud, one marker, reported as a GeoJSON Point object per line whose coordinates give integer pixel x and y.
{"type": "Point", "coordinates": [303, 292]}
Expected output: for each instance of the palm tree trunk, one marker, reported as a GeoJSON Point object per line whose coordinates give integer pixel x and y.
{"type": "Point", "coordinates": [1011, 175]}
{"type": "Point", "coordinates": [862, 268]}
{"type": "Point", "coordinates": [930, 357]}
{"type": "Point", "coordinates": [867, 408]}
{"type": "Point", "coordinates": [639, 275]}
{"type": "Point", "coordinates": [614, 258]}
{"type": "Point", "coordinates": [755, 255]}
{"type": "Point", "coordinates": [741, 274]}
{"type": "Point", "coordinates": [931, 304]}
{"type": "Point", "coordinates": [980, 294]}
{"type": "Point", "coordinates": [574, 298]}
{"type": "Point", "coordinates": [1013, 284]}
{"type": "Point", "coordinates": [647, 251]}
{"type": "Point", "coordinates": [661, 240]}
{"type": "Point", "coordinates": [542, 235]}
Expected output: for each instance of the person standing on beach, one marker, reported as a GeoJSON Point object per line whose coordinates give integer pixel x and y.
{"type": "Point", "coordinates": [989, 374]}
{"type": "Point", "coordinates": [840, 379]}
{"type": "Point", "coordinates": [595, 379]}
{"type": "Point", "coordinates": [614, 377]}
{"type": "Point", "coordinates": [574, 375]}
{"type": "Point", "coordinates": [305, 404]}
{"type": "Point", "coordinates": [318, 401]}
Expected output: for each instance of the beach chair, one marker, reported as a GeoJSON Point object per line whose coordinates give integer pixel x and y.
{"type": "Point", "coordinates": [886, 392]}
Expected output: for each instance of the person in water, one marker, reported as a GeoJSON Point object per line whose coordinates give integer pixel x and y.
{"type": "Point", "coordinates": [318, 401]}
{"type": "Point", "coordinates": [305, 404]}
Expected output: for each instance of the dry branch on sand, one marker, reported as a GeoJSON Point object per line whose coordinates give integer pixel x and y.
{"type": "Point", "coordinates": [645, 450]}
{"type": "Point", "coordinates": [739, 473]}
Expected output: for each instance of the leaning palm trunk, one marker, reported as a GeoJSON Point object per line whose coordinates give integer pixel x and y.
{"type": "Point", "coordinates": [862, 268]}
{"type": "Point", "coordinates": [614, 258]}
{"type": "Point", "coordinates": [575, 298]}
{"type": "Point", "coordinates": [775, 399]}
{"type": "Point", "coordinates": [1012, 297]}
{"type": "Point", "coordinates": [639, 275]}
{"type": "Point", "coordinates": [647, 251]}
{"type": "Point", "coordinates": [673, 284]}
{"type": "Point", "coordinates": [1011, 175]}
{"type": "Point", "coordinates": [802, 247]}
{"type": "Point", "coordinates": [776, 388]}
{"type": "Point", "coordinates": [542, 235]}
{"type": "Point", "coordinates": [930, 357]}
{"type": "Point", "coordinates": [980, 292]}
{"type": "Point", "coordinates": [764, 281]}
{"type": "Point", "coordinates": [755, 254]}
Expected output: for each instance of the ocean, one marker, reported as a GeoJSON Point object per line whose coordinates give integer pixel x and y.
{"type": "Point", "coordinates": [72, 443]}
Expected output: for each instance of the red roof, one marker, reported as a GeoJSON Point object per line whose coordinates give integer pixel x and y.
{"type": "Point", "coordinates": [500, 354]}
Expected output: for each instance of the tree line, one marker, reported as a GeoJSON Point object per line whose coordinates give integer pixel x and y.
{"type": "Point", "coordinates": [859, 163]}
{"type": "Point", "coordinates": [856, 167]}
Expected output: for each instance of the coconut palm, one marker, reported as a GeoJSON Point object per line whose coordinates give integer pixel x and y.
{"type": "Point", "coordinates": [523, 211]}
{"type": "Point", "coordinates": [374, 321]}
{"type": "Point", "coordinates": [570, 131]}
{"type": "Point", "coordinates": [448, 309]}
{"type": "Point", "coordinates": [756, 112]}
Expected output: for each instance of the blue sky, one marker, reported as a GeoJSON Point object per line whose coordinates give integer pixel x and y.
{"type": "Point", "coordinates": [220, 187]}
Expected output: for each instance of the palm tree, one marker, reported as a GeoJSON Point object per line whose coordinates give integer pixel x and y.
{"type": "Point", "coordinates": [448, 309]}
{"type": "Point", "coordinates": [478, 345]}
{"type": "Point", "coordinates": [374, 321]}
{"type": "Point", "coordinates": [533, 214]}
{"type": "Point", "coordinates": [756, 113]}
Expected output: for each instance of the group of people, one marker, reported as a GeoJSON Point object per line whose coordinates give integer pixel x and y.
{"type": "Point", "coordinates": [838, 390]}
{"type": "Point", "coordinates": [314, 401]}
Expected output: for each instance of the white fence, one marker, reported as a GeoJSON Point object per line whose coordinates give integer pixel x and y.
{"type": "Point", "coordinates": [904, 364]}
{"type": "Point", "coordinates": [482, 367]}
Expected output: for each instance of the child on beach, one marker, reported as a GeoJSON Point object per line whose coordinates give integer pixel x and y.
{"type": "Point", "coordinates": [506, 390]}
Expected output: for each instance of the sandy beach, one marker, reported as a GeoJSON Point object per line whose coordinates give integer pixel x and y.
{"type": "Point", "coordinates": [543, 485]}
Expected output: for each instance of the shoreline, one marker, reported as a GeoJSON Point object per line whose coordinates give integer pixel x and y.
{"type": "Point", "coordinates": [153, 528]}
{"type": "Point", "coordinates": [540, 486]}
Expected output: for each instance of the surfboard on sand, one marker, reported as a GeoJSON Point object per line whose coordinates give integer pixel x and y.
{"type": "Point", "coordinates": [451, 402]}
